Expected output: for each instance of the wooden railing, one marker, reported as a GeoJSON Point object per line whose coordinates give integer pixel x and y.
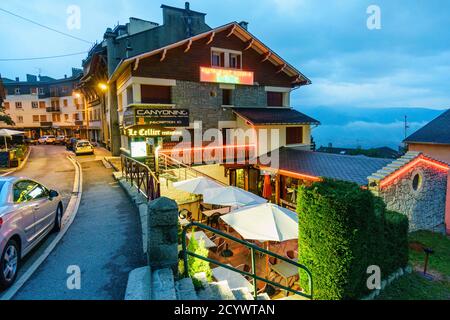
{"type": "Point", "coordinates": [141, 176]}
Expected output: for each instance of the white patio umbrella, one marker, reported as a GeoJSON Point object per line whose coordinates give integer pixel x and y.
{"type": "Point", "coordinates": [231, 196]}
{"type": "Point", "coordinates": [7, 133]}
{"type": "Point", "coordinates": [264, 222]}
{"type": "Point", "coordinates": [197, 185]}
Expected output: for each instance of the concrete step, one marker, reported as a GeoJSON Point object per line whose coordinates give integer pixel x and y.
{"type": "Point", "coordinates": [163, 285]}
{"type": "Point", "coordinates": [138, 286]}
{"type": "Point", "coordinates": [185, 289]}
{"type": "Point", "coordinates": [242, 294]}
{"type": "Point", "coordinates": [263, 296]}
{"type": "Point", "coordinates": [221, 291]}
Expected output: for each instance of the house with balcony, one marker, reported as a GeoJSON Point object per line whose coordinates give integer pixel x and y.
{"type": "Point", "coordinates": [42, 105]}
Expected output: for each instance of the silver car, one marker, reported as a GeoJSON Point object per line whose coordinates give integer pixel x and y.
{"type": "Point", "coordinates": [28, 212]}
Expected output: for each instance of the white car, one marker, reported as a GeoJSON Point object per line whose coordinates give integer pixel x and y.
{"type": "Point", "coordinates": [83, 147]}
{"type": "Point", "coordinates": [47, 140]}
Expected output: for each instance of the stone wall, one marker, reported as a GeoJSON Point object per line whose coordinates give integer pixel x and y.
{"type": "Point", "coordinates": [204, 100]}
{"type": "Point", "coordinates": [425, 206]}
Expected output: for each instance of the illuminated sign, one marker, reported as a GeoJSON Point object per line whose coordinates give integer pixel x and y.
{"type": "Point", "coordinates": [151, 132]}
{"type": "Point", "coordinates": [162, 117]}
{"type": "Point", "coordinates": [138, 149]}
{"type": "Point", "coordinates": [230, 76]}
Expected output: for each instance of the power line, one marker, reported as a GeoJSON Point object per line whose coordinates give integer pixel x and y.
{"type": "Point", "coordinates": [44, 26]}
{"type": "Point", "coordinates": [48, 57]}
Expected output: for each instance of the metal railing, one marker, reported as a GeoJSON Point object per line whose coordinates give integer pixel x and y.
{"type": "Point", "coordinates": [181, 170]}
{"type": "Point", "coordinates": [141, 176]}
{"type": "Point", "coordinates": [253, 249]}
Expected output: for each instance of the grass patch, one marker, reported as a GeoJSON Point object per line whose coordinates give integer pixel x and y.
{"type": "Point", "coordinates": [415, 287]}
{"type": "Point", "coordinates": [440, 260]}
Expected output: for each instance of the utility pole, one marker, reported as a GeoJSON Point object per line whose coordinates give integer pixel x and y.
{"type": "Point", "coordinates": [406, 132]}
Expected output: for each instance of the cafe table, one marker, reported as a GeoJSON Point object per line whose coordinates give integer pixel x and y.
{"type": "Point", "coordinates": [285, 270]}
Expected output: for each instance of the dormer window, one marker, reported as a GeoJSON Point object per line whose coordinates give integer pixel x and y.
{"type": "Point", "coordinates": [224, 58]}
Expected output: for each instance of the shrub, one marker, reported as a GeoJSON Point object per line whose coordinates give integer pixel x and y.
{"type": "Point", "coordinates": [196, 265]}
{"type": "Point", "coordinates": [341, 233]}
{"type": "Point", "coordinates": [396, 243]}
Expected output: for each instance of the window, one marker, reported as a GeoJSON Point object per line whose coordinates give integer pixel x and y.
{"type": "Point", "coordinates": [225, 58]}
{"type": "Point", "coordinates": [22, 189]}
{"type": "Point", "coordinates": [227, 97]}
{"type": "Point", "coordinates": [38, 192]}
{"type": "Point", "coordinates": [76, 116]}
{"type": "Point", "coordinates": [18, 105]}
{"type": "Point", "coordinates": [274, 99]}
{"type": "Point", "coordinates": [43, 118]}
{"type": "Point", "coordinates": [417, 182]}
{"type": "Point", "coordinates": [42, 104]}
{"type": "Point", "coordinates": [235, 61]}
{"type": "Point", "coordinates": [65, 103]}
{"type": "Point", "coordinates": [17, 91]}
{"type": "Point", "coordinates": [64, 89]}
{"type": "Point", "coordinates": [66, 117]}
{"type": "Point", "coordinates": [34, 104]}
{"type": "Point", "coordinates": [33, 90]}
{"type": "Point", "coordinates": [35, 118]}
{"type": "Point", "coordinates": [55, 104]}
{"type": "Point", "coordinates": [294, 135]}
{"type": "Point", "coordinates": [56, 117]}
{"type": "Point", "coordinates": [6, 105]}
{"type": "Point", "coordinates": [19, 119]}
{"type": "Point", "coordinates": [41, 90]}
{"type": "Point", "coordinates": [156, 94]}
{"type": "Point", "coordinates": [217, 59]}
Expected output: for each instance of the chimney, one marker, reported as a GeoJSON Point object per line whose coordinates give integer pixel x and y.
{"type": "Point", "coordinates": [65, 76]}
{"type": "Point", "coordinates": [17, 79]}
{"type": "Point", "coordinates": [330, 145]}
{"type": "Point", "coordinates": [187, 6]}
{"type": "Point", "coordinates": [244, 24]}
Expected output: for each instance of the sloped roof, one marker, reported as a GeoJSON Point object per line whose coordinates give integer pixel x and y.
{"type": "Point", "coordinates": [233, 28]}
{"type": "Point", "coordinates": [273, 116]}
{"type": "Point", "coordinates": [326, 165]}
{"type": "Point", "coordinates": [435, 132]}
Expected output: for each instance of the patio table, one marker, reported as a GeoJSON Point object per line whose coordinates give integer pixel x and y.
{"type": "Point", "coordinates": [285, 270]}
{"type": "Point", "coordinates": [235, 279]}
{"type": "Point", "coordinates": [222, 211]}
{"type": "Point", "coordinates": [200, 235]}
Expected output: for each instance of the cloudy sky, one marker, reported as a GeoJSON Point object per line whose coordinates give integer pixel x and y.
{"type": "Point", "coordinates": [406, 63]}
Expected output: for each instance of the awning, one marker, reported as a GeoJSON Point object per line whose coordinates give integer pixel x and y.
{"type": "Point", "coordinates": [274, 116]}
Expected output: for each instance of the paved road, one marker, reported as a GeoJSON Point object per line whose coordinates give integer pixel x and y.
{"type": "Point", "coordinates": [104, 241]}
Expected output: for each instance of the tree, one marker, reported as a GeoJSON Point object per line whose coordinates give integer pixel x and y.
{"type": "Point", "coordinates": [3, 116]}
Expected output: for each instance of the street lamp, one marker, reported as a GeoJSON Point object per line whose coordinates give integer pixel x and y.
{"type": "Point", "coordinates": [103, 86]}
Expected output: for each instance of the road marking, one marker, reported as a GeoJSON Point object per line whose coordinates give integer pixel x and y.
{"type": "Point", "coordinates": [69, 217]}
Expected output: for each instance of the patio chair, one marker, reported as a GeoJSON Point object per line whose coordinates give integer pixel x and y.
{"type": "Point", "coordinates": [185, 214]}
{"type": "Point", "coordinates": [220, 246]}
{"type": "Point", "coordinates": [213, 221]}
{"type": "Point", "coordinates": [273, 261]}
{"type": "Point", "coordinates": [291, 255]}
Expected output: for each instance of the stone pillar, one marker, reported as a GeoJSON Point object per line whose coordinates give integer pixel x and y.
{"type": "Point", "coordinates": [162, 249]}
{"type": "Point", "coordinates": [447, 206]}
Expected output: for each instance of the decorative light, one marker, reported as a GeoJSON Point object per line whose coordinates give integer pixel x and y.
{"type": "Point", "coordinates": [208, 148]}
{"type": "Point", "coordinates": [103, 86]}
{"type": "Point", "coordinates": [421, 159]}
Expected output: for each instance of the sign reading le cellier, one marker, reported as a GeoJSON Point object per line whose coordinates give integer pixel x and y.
{"type": "Point", "coordinates": [150, 132]}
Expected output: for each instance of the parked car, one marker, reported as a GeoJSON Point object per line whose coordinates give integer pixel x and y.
{"type": "Point", "coordinates": [28, 212]}
{"type": "Point", "coordinates": [70, 145]}
{"type": "Point", "coordinates": [60, 140]}
{"type": "Point", "coordinates": [47, 140]}
{"type": "Point", "coordinates": [83, 147]}
{"type": "Point", "coordinates": [32, 141]}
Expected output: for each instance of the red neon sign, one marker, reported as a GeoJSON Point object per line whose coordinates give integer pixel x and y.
{"type": "Point", "coordinates": [229, 76]}
{"type": "Point", "coordinates": [438, 165]}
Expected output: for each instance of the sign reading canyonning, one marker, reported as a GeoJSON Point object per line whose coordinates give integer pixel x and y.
{"type": "Point", "coordinates": [158, 117]}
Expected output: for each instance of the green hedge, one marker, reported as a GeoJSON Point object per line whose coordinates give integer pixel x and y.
{"type": "Point", "coordinates": [343, 229]}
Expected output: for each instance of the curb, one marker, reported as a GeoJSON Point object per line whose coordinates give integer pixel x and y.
{"type": "Point", "coordinates": [68, 218]}
{"type": "Point", "coordinates": [24, 162]}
